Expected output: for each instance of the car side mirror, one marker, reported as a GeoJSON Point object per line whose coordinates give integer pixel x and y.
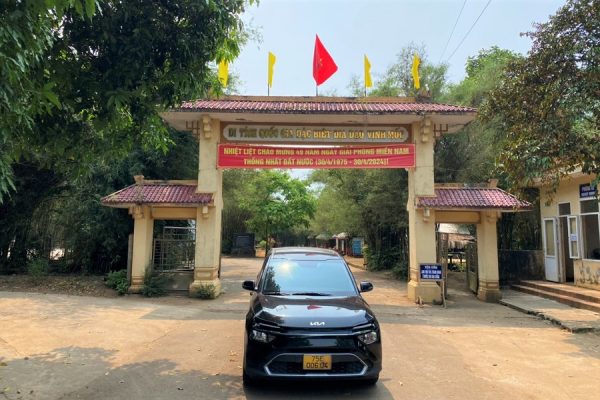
{"type": "Point", "coordinates": [249, 285]}
{"type": "Point", "coordinates": [366, 286]}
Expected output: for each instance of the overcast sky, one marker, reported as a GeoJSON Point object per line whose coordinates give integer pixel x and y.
{"type": "Point", "coordinates": [380, 29]}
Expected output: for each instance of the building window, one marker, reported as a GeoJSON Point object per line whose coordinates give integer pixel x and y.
{"type": "Point", "coordinates": [549, 237]}
{"type": "Point", "coordinates": [564, 209]}
{"type": "Point", "coordinates": [590, 229]}
{"type": "Point", "coordinates": [573, 237]}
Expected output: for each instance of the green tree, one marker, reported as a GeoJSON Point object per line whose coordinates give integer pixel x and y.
{"type": "Point", "coordinates": [25, 37]}
{"type": "Point", "coordinates": [75, 89]}
{"type": "Point", "coordinates": [89, 94]}
{"type": "Point", "coordinates": [336, 213]}
{"type": "Point", "coordinates": [375, 200]}
{"type": "Point", "coordinates": [547, 103]}
{"type": "Point", "coordinates": [398, 80]}
{"type": "Point", "coordinates": [236, 187]}
{"type": "Point", "coordinates": [277, 202]}
{"type": "Point", "coordinates": [469, 155]}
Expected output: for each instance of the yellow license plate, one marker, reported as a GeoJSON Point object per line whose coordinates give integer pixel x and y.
{"type": "Point", "coordinates": [317, 362]}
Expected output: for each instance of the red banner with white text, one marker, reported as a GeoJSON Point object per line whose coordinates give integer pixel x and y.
{"type": "Point", "coordinates": [261, 157]}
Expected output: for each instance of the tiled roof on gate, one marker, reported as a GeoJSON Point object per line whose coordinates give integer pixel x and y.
{"type": "Point", "coordinates": [157, 193]}
{"type": "Point", "coordinates": [472, 198]}
{"type": "Point", "coordinates": [320, 105]}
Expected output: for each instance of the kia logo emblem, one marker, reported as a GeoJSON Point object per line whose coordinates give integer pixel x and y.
{"type": "Point", "coordinates": [317, 323]}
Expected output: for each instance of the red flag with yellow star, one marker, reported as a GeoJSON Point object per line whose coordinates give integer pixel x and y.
{"type": "Point", "coordinates": [323, 64]}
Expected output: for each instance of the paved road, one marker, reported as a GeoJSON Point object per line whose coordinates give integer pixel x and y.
{"type": "Point", "coordinates": [68, 347]}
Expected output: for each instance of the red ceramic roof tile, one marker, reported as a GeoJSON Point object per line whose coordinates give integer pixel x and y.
{"type": "Point", "coordinates": [320, 106]}
{"type": "Point", "coordinates": [151, 193]}
{"type": "Point", "coordinates": [472, 198]}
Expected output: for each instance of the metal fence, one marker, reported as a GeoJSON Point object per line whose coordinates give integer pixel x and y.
{"type": "Point", "coordinates": [175, 249]}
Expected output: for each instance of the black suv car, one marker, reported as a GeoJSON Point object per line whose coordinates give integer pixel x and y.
{"type": "Point", "coordinates": [307, 320]}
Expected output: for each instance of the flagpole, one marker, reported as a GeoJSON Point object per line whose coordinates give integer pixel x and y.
{"type": "Point", "coordinates": [317, 90]}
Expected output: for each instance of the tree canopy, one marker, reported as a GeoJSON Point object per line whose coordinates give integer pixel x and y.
{"type": "Point", "coordinates": [277, 202]}
{"type": "Point", "coordinates": [547, 103]}
{"type": "Point", "coordinates": [80, 85]}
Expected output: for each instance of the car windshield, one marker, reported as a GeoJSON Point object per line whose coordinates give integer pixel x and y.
{"type": "Point", "coordinates": [308, 277]}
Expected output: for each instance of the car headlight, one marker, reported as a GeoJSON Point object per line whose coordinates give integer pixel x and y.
{"type": "Point", "coordinates": [262, 337]}
{"type": "Point", "coordinates": [368, 338]}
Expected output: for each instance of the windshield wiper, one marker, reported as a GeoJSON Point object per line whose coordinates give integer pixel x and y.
{"type": "Point", "coordinates": [310, 294]}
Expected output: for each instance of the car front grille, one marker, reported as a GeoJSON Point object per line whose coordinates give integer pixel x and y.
{"type": "Point", "coordinates": [291, 365]}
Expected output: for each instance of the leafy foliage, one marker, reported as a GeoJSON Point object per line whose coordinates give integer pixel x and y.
{"type": "Point", "coordinates": [469, 156]}
{"type": "Point", "coordinates": [398, 81]}
{"type": "Point", "coordinates": [155, 284]}
{"type": "Point", "coordinates": [75, 89]}
{"type": "Point", "coordinates": [276, 202]}
{"type": "Point", "coordinates": [547, 103]}
{"type": "Point", "coordinates": [37, 269]}
{"type": "Point", "coordinates": [374, 206]}
{"type": "Point", "coordinates": [117, 280]}
{"type": "Point", "coordinates": [81, 87]}
{"type": "Point", "coordinates": [206, 292]}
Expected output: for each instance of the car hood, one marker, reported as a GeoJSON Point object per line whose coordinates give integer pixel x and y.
{"type": "Point", "coordinates": [313, 312]}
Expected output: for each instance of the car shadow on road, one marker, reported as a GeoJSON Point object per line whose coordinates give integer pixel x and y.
{"type": "Point", "coordinates": [89, 373]}
{"type": "Point", "coordinates": [317, 390]}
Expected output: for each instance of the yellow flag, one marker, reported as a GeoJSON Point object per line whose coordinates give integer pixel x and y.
{"type": "Point", "coordinates": [272, 60]}
{"type": "Point", "coordinates": [368, 80]}
{"type": "Point", "coordinates": [415, 71]}
{"type": "Point", "coordinates": [223, 72]}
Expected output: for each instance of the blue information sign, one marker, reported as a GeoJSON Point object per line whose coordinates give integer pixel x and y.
{"type": "Point", "coordinates": [587, 191]}
{"type": "Point", "coordinates": [431, 272]}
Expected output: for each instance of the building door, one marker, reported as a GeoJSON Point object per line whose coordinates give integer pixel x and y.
{"type": "Point", "coordinates": [567, 272]}
{"type": "Point", "coordinates": [551, 249]}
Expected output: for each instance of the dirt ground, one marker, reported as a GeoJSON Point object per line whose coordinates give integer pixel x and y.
{"type": "Point", "coordinates": [54, 346]}
{"type": "Point", "coordinates": [74, 285]}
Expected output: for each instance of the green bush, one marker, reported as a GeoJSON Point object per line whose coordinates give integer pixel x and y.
{"type": "Point", "coordinates": [206, 292]}
{"type": "Point", "coordinates": [226, 246]}
{"type": "Point", "coordinates": [262, 244]}
{"type": "Point", "coordinates": [400, 270]}
{"type": "Point", "coordinates": [37, 269]}
{"type": "Point", "coordinates": [155, 284]}
{"type": "Point", "coordinates": [117, 280]}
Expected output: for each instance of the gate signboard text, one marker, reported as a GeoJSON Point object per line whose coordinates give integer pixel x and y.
{"type": "Point", "coordinates": [249, 156]}
{"type": "Point", "coordinates": [315, 135]}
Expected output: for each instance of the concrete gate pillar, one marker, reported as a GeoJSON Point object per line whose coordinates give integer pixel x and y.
{"type": "Point", "coordinates": [487, 258]}
{"type": "Point", "coordinates": [143, 228]}
{"type": "Point", "coordinates": [421, 222]}
{"type": "Point", "coordinates": [208, 219]}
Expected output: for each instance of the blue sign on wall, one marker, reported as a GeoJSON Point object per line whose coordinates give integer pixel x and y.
{"type": "Point", "coordinates": [587, 191]}
{"type": "Point", "coordinates": [431, 272]}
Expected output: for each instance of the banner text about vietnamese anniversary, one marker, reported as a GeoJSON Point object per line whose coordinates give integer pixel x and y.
{"type": "Point", "coordinates": [248, 156]}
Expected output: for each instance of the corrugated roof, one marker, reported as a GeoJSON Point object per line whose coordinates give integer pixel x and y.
{"type": "Point", "coordinates": [320, 105]}
{"type": "Point", "coordinates": [157, 193]}
{"type": "Point", "coordinates": [472, 198]}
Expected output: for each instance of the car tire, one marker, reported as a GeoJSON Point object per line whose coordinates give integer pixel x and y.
{"type": "Point", "coordinates": [248, 380]}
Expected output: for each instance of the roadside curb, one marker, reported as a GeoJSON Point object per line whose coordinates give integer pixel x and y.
{"type": "Point", "coordinates": [571, 319]}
